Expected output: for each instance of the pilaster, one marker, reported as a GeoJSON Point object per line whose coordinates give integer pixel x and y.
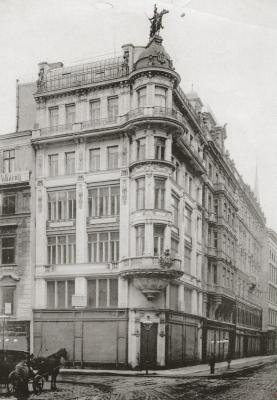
{"type": "Point", "coordinates": [81, 213]}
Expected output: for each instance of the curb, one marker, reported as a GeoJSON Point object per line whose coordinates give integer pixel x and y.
{"type": "Point", "coordinates": [223, 374]}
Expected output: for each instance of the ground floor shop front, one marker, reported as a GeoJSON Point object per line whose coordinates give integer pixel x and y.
{"type": "Point", "coordinates": [14, 335]}
{"type": "Point", "coordinates": [120, 338]}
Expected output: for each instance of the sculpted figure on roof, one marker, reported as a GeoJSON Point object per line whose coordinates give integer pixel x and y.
{"type": "Point", "coordinates": [156, 21]}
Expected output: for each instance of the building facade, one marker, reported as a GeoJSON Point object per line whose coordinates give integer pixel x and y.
{"type": "Point", "coordinates": [144, 245]}
{"type": "Point", "coordinates": [16, 155]}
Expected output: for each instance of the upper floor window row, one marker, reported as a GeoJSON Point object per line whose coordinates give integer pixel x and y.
{"type": "Point", "coordinates": [55, 114]}
{"type": "Point", "coordinates": [54, 165]}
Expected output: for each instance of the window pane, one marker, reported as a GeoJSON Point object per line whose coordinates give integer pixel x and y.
{"type": "Point", "coordinates": [92, 293]}
{"type": "Point", "coordinates": [61, 294]}
{"type": "Point", "coordinates": [102, 292]}
{"type": "Point", "coordinates": [113, 292]}
{"type": "Point", "coordinates": [50, 294]}
{"type": "Point", "coordinates": [95, 111]}
{"type": "Point", "coordinates": [70, 114]}
{"type": "Point", "coordinates": [94, 159]}
{"type": "Point", "coordinates": [112, 157]}
{"type": "Point", "coordinates": [70, 292]}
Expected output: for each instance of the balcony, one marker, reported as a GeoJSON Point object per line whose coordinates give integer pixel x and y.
{"type": "Point", "coordinates": [151, 274]}
{"type": "Point", "coordinates": [111, 122]}
{"type": "Point", "coordinates": [9, 178]}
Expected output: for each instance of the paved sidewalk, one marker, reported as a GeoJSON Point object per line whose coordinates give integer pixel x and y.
{"type": "Point", "coordinates": [238, 365]}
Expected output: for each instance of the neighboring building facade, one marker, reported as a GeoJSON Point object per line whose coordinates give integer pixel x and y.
{"type": "Point", "coordinates": [270, 309]}
{"type": "Point", "coordinates": [16, 158]}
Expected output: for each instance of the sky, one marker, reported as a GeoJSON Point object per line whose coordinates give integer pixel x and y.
{"type": "Point", "coordinates": [226, 49]}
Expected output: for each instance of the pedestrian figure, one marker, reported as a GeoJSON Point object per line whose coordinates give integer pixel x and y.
{"type": "Point", "coordinates": [22, 376]}
{"type": "Point", "coordinates": [228, 359]}
{"type": "Point", "coordinates": [212, 363]}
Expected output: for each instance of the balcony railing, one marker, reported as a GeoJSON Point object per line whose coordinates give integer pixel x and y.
{"type": "Point", "coordinates": [148, 262]}
{"type": "Point", "coordinates": [158, 112]}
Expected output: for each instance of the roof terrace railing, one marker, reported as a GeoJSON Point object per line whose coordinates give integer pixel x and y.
{"type": "Point", "coordinates": [83, 75]}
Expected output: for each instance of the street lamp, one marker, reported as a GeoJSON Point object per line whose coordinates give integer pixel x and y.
{"type": "Point", "coordinates": [148, 325]}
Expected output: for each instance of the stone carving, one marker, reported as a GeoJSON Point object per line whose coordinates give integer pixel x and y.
{"type": "Point", "coordinates": [156, 21]}
{"type": "Point", "coordinates": [166, 261]}
{"type": "Point", "coordinates": [124, 155]}
{"type": "Point", "coordinates": [80, 196]}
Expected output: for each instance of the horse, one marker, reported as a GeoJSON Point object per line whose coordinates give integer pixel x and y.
{"type": "Point", "coordinates": [49, 366]}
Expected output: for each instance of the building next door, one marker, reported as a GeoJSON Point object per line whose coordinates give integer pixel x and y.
{"type": "Point", "coordinates": [148, 345]}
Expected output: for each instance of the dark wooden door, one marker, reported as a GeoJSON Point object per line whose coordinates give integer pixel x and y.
{"type": "Point", "coordinates": [148, 345]}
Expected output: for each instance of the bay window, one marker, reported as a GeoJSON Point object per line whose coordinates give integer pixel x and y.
{"type": "Point", "coordinates": [159, 148]}
{"type": "Point", "coordinates": [159, 188]}
{"type": "Point", "coordinates": [140, 239]}
{"type": "Point", "coordinates": [160, 96]}
{"type": "Point", "coordinates": [141, 147]}
{"type": "Point", "coordinates": [141, 97]}
{"type": "Point", "coordinates": [158, 240]}
{"type": "Point", "coordinates": [140, 193]}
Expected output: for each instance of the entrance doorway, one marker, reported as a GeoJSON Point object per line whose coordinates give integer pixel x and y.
{"type": "Point", "coordinates": [148, 345]}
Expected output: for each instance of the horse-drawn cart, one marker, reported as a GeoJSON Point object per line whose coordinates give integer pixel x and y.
{"type": "Point", "coordinates": [16, 384]}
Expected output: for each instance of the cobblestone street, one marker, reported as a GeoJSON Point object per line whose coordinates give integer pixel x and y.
{"type": "Point", "coordinates": [261, 385]}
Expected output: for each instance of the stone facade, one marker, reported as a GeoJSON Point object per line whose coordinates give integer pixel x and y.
{"type": "Point", "coordinates": [148, 243]}
{"type": "Point", "coordinates": [16, 155]}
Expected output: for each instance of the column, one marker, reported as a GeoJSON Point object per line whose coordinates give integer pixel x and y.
{"type": "Point", "coordinates": [122, 293]}
{"type": "Point", "coordinates": [149, 192]}
{"type": "Point", "coordinates": [168, 146]}
{"type": "Point", "coordinates": [81, 157]}
{"type": "Point", "coordinates": [150, 145]}
{"type": "Point", "coordinates": [194, 305]}
{"type": "Point", "coordinates": [81, 286]}
{"type": "Point", "coordinates": [124, 231]}
{"type": "Point", "coordinates": [167, 237]}
{"type": "Point", "coordinates": [41, 216]}
{"type": "Point", "coordinates": [181, 298]}
{"type": "Point", "coordinates": [81, 222]}
{"type": "Point", "coordinates": [40, 294]}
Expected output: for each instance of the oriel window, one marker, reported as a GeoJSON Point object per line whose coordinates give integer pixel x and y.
{"type": "Point", "coordinates": [140, 239]}
{"type": "Point", "coordinates": [158, 240]}
{"type": "Point", "coordinates": [141, 147]}
{"type": "Point", "coordinates": [159, 187]}
{"type": "Point", "coordinates": [160, 96]}
{"type": "Point", "coordinates": [159, 148]}
{"type": "Point", "coordinates": [140, 198]}
{"type": "Point", "coordinates": [141, 97]}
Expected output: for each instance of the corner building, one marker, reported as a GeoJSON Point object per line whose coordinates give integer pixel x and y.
{"type": "Point", "coordinates": [118, 180]}
{"type": "Point", "coordinates": [128, 167]}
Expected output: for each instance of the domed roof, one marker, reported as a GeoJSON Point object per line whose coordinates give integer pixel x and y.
{"type": "Point", "coordinates": [154, 54]}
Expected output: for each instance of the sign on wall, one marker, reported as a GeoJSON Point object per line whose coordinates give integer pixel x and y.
{"type": "Point", "coordinates": [79, 301]}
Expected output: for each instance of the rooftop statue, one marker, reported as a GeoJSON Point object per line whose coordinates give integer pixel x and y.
{"type": "Point", "coordinates": [156, 21]}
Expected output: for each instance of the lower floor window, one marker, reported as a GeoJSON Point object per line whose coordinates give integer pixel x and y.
{"type": "Point", "coordinates": [7, 294]}
{"type": "Point", "coordinates": [59, 293]}
{"type": "Point", "coordinates": [102, 292]}
{"type": "Point", "coordinates": [103, 247]}
{"type": "Point", "coordinates": [61, 249]}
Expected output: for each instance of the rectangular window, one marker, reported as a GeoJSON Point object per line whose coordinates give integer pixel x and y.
{"type": "Point", "coordinates": [53, 117]}
{"type": "Point", "coordinates": [8, 204]}
{"type": "Point", "coordinates": [94, 160]}
{"type": "Point", "coordinates": [159, 148]}
{"type": "Point", "coordinates": [112, 157]}
{"type": "Point", "coordinates": [95, 111]}
{"type": "Point", "coordinates": [103, 247]}
{"type": "Point", "coordinates": [112, 108]}
{"type": "Point", "coordinates": [53, 162]}
{"type": "Point", "coordinates": [70, 163]}
{"type": "Point", "coordinates": [61, 249]}
{"type": "Point", "coordinates": [59, 293]}
{"type": "Point", "coordinates": [160, 96]}
{"type": "Point", "coordinates": [158, 240]}
{"type": "Point", "coordinates": [188, 219]}
{"type": "Point", "coordinates": [175, 209]}
{"type": "Point", "coordinates": [7, 300]}
{"type": "Point", "coordinates": [70, 113]}
{"type": "Point", "coordinates": [188, 296]}
{"type": "Point", "coordinates": [141, 146]}
{"type": "Point", "coordinates": [8, 161]}
{"type": "Point", "coordinates": [141, 97]}
{"type": "Point", "coordinates": [104, 201]}
{"type": "Point", "coordinates": [159, 187]}
{"type": "Point", "coordinates": [140, 193]}
{"type": "Point", "coordinates": [102, 293]}
{"type": "Point", "coordinates": [62, 205]}
{"type": "Point", "coordinates": [140, 240]}
{"type": "Point", "coordinates": [8, 250]}
{"type": "Point", "coordinates": [187, 260]}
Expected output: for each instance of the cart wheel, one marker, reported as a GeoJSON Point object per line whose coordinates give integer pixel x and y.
{"type": "Point", "coordinates": [11, 384]}
{"type": "Point", "coordinates": [38, 383]}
